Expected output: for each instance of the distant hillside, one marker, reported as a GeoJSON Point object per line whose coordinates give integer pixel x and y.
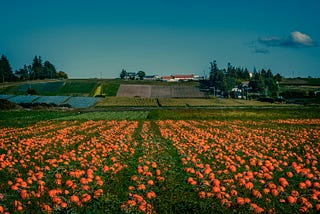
{"type": "Point", "coordinates": [300, 81]}
{"type": "Point", "coordinates": [78, 87]}
{"type": "Point", "coordinates": [53, 88]}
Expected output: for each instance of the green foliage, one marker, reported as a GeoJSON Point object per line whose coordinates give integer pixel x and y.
{"type": "Point", "coordinates": [123, 74]}
{"type": "Point", "coordinates": [37, 70]}
{"type": "Point", "coordinates": [48, 71]}
{"type": "Point", "coordinates": [32, 91]}
{"type": "Point", "coordinates": [225, 81]}
{"type": "Point", "coordinates": [233, 114]}
{"type": "Point", "coordinates": [7, 105]}
{"type": "Point", "coordinates": [127, 102]}
{"type": "Point", "coordinates": [257, 83]}
{"type": "Point", "coordinates": [262, 82]}
{"type": "Point", "coordinates": [295, 93]}
{"type": "Point", "coordinates": [62, 75]}
{"type": "Point", "coordinates": [110, 89]}
{"type": "Point", "coordinates": [6, 74]}
{"type": "Point", "coordinates": [141, 74]}
{"type": "Point", "coordinates": [112, 115]}
{"type": "Point", "coordinates": [78, 88]}
{"type": "Point", "coordinates": [24, 118]}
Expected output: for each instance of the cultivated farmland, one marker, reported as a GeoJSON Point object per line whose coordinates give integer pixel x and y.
{"type": "Point", "coordinates": [157, 91]}
{"type": "Point", "coordinates": [252, 161]}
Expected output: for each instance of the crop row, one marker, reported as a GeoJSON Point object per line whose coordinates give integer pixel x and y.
{"type": "Point", "coordinates": [112, 115]}
{"type": "Point", "coordinates": [60, 166]}
{"type": "Point", "coordinates": [260, 169]}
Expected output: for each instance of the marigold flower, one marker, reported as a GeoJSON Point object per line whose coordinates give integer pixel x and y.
{"type": "Point", "coordinates": [291, 199]}
{"type": "Point", "coordinates": [151, 195]}
{"type": "Point", "coordinates": [74, 199]}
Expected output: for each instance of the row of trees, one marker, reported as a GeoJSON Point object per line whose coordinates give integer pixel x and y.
{"type": "Point", "coordinates": [132, 75]}
{"type": "Point", "coordinates": [225, 80]}
{"type": "Point", "coordinates": [37, 70]}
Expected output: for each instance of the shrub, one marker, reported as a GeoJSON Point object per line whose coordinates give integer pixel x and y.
{"type": "Point", "coordinates": [7, 105]}
{"type": "Point", "coordinates": [32, 91]}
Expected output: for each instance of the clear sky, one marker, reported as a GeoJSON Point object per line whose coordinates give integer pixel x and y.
{"type": "Point", "coordinates": [99, 38]}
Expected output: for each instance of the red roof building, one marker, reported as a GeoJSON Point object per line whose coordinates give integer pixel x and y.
{"type": "Point", "coordinates": [175, 78]}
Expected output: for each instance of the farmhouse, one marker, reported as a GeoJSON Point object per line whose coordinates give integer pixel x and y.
{"type": "Point", "coordinates": [151, 77]}
{"type": "Point", "coordinates": [130, 75]}
{"type": "Point", "coordinates": [176, 78]}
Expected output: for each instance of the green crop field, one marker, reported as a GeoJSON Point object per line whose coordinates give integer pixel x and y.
{"type": "Point", "coordinates": [42, 88]}
{"type": "Point", "coordinates": [181, 102]}
{"type": "Point", "coordinates": [67, 87]}
{"type": "Point", "coordinates": [127, 102]}
{"type": "Point", "coordinates": [78, 88]}
{"type": "Point", "coordinates": [110, 89]}
{"type": "Point", "coordinates": [111, 115]}
{"type": "Point", "coordinates": [212, 102]}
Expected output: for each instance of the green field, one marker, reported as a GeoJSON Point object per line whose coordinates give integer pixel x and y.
{"type": "Point", "coordinates": [181, 102]}
{"type": "Point", "coordinates": [77, 87]}
{"type": "Point", "coordinates": [111, 115]}
{"type": "Point", "coordinates": [53, 88]}
{"type": "Point", "coordinates": [127, 102]}
{"type": "Point", "coordinates": [23, 118]}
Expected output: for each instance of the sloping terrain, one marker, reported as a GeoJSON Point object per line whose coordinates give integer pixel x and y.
{"type": "Point", "coordinates": [156, 91]}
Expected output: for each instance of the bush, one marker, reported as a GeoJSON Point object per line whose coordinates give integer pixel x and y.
{"type": "Point", "coordinates": [32, 91]}
{"type": "Point", "coordinates": [266, 99]}
{"type": "Point", "coordinates": [7, 105]}
{"type": "Point", "coordinates": [294, 94]}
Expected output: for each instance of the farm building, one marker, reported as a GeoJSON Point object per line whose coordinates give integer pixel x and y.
{"type": "Point", "coordinates": [151, 77]}
{"type": "Point", "coordinates": [130, 75]}
{"type": "Point", "coordinates": [176, 78]}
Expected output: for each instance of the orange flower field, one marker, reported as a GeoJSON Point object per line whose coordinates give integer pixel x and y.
{"type": "Point", "coordinates": [161, 166]}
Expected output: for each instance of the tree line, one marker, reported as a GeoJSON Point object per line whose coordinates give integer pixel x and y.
{"type": "Point", "coordinates": [35, 71]}
{"type": "Point", "coordinates": [132, 75]}
{"type": "Point", "coordinates": [224, 81]}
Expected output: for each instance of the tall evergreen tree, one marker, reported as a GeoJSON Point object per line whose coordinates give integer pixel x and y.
{"type": "Point", "coordinates": [49, 71]}
{"type": "Point", "coordinates": [123, 74]}
{"type": "Point", "coordinates": [5, 70]}
{"type": "Point", "coordinates": [213, 70]}
{"type": "Point", "coordinates": [257, 82]}
{"type": "Point", "coordinates": [36, 67]}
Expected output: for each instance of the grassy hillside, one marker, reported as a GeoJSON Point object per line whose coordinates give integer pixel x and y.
{"type": "Point", "coordinates": [53, 88]}
{"type": "Point", "coordinates": [78, 88]}
{"type": "Point", "coordinates": [109, 87]}
{"type": "Point", "coordinates": [301, 81]}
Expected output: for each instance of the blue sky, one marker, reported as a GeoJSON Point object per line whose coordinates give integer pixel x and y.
{"type": "Point", "coordinates": [98, 38]}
